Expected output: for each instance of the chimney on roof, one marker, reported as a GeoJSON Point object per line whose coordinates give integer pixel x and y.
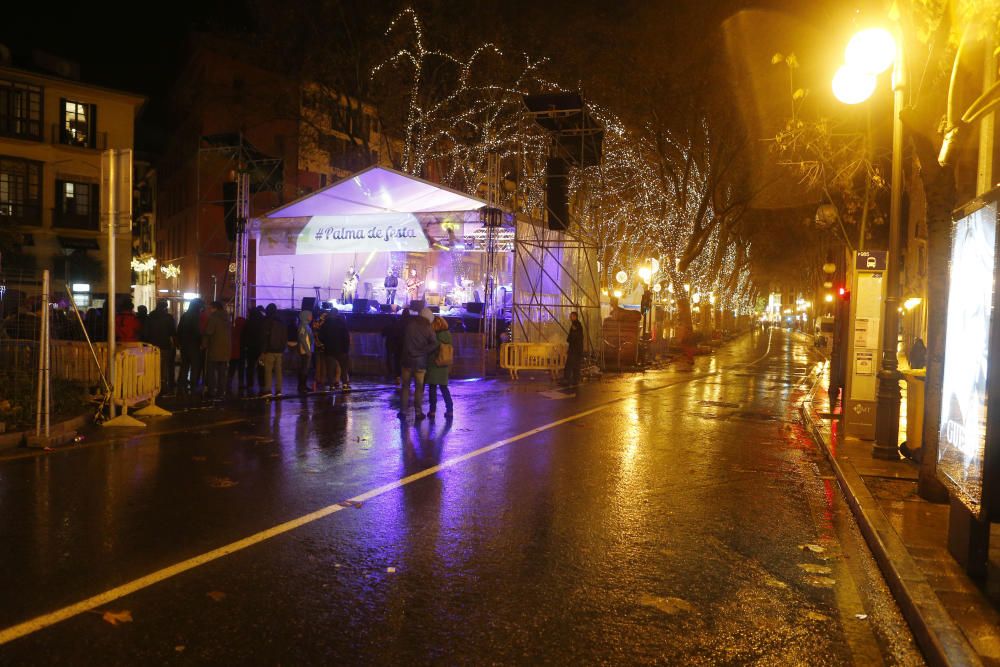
{"type": "Point", "coordinates": [61, 67]}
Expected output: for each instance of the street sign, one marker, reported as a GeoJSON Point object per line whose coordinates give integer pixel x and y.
{"type": "Point", "coordinates": [123, 188]}
{"type": "Point", "coordinates": [864, 342]}
{"type": "Point", "coordinates": [871, 260]}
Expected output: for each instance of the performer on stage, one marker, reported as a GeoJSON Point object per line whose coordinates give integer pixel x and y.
{"type": "Point", "coordinates": [391, 283]}
{"type": "Point", "coordinates": [412, 284]}
{"type": "Point", "coordinates": [350, 286]}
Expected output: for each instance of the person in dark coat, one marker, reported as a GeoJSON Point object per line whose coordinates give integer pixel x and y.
{"type": "Point", "coordinates": [161, 331]}
{"type": "Point", "coordinates": [419, 342]}
{"type": "Point", "coordinates": [336, 341]}
{"type": "Point", "coordinates": [392, 333]}
{"type": "Point", "coordinates": [189, 341]}
{"type": "Point", "coordinates": [237, 363]}
{"type": "Point", "coordinates": [218, 345]}
{"type": "Point", "coordinates": [274, 342]}
{"type": "Point", "coordinates": [574, 357]}
{"type": "Point", "coordinates": [250, 346]}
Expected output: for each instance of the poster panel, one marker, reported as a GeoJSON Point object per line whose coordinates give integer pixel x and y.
{"type": "Point", "coordinates": [962, 433]}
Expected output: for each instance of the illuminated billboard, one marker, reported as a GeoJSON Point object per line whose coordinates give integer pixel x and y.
{"type": "Point", "coordinates": [963, 441]}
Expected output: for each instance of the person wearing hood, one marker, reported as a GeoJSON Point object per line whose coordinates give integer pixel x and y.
{"type": "Point", "coordinates": [307, 347]}
{"type": "Point", "coordinates": [189, 340]}
{"type": "Point", "coordinates": [336, 339]}
{"type": "Point", "coordinates": [161, 331]}
{"type": "Point", "coordinates": [419, 342]}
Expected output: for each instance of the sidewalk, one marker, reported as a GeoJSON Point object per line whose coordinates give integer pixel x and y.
{"type": "Point", "coordinates": [955, 621]}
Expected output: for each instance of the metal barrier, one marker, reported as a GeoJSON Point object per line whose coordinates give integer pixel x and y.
{"type": "Point", "coordinates": [551, 357]}
{"type": "Point", "coordinates": [137, 380]}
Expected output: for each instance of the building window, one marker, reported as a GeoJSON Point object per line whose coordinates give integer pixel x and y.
{"type": "Point", "coordinates": [78, 124]}
{"type": "Point", "coordinates": [20, 191]}
{"type": "Point", "coordinates": [76, 205]}
{"type": "Point", "coordinates": [20, 110]}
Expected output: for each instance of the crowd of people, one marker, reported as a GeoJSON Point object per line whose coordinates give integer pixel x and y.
{"type": "Point", "coordinates": [220, 356]}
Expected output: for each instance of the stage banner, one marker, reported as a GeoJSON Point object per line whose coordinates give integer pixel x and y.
{"type": "Point", "coordinates": [326, 234]}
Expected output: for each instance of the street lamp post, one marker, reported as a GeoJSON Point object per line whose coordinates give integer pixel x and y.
{"type": "Point", "coordinates": [869, 53]}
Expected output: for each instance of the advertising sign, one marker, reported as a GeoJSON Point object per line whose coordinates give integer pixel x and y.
{"type": "Point", "coordinates": [962, 448]}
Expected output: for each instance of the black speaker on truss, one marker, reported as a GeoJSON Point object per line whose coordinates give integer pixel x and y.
{"type": "Point", "coordinates": [557, 193]}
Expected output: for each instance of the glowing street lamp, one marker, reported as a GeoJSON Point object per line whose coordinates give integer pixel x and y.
{"type": "Point", "coordinates": [852, 85]}
{"type": "Point", "coordinates": [621, 277]}
{"type": "Point", "coordinates": [645, 274]}
{"type": "Point", "coordinates": [867, 54]}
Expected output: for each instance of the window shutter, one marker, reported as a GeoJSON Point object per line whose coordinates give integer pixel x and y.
{"type": "Point", "coordinates": [61, 135]}
{"type": "Point", "coordinates": [95, 205]}
{"type": "Point", "coordinates": [61, 197]}
{"type": "Point", "coordinates": [92, 126]}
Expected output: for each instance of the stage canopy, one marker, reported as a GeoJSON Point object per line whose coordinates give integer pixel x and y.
{"type": "Point", "coordinates": [375, 210]}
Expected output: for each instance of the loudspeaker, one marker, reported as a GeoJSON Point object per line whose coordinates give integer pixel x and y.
{"type": "Point", "coordinates": [308, 303]}
{"type": "Point", "coordinates": [385, 308]}
{"type": "Point", "coordinates": [556, 189]}
{"type": "Point", "coordinates": [229, 208]}
{"type": "Point", "coordinates": [417, 306]}
{"type": "Point", "coordinates": [435, 309]}
{"type": "Point", "coordinates": [474, 307]}
{"type": "Point", "coordinates": [360, 306]}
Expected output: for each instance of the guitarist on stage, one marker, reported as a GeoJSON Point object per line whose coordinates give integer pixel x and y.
{"type": "Point", "coordinates": [412, 284]}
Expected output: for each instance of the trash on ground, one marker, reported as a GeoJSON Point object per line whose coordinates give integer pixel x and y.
{"type": "Point", "coordinates": [861, 617]}
{"type": "Point", "coordinates": [668, 605]}
{"type": "Point", "coordinates": [218, 596]}
{"type": "Point", "coordinates": [815, 548]}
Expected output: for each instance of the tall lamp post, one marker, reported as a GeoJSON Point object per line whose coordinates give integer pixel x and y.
{"type": "Point", "coordinates": [869, 53]}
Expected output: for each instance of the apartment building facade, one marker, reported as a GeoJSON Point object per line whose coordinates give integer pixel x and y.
{"type": "Point", "coordinates": [52, 131]}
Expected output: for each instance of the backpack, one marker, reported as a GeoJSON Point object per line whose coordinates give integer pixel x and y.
{"type": "Point", "coordinates": [445, 355]}
{"type": "Point", "coordinates": [277, 336]}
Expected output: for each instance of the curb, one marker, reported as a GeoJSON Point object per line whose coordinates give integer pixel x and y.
{"type": "Point", "coordinates": [58, 431]}
{"type": "Point", "coordinates": [939, 638]}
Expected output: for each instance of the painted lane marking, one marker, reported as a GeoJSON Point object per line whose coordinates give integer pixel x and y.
{"type": "Point", "coordinates": [47, 620]}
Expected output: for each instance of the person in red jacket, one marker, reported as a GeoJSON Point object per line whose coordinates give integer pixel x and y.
{"type": "Point", "coordinates": [127, 325]}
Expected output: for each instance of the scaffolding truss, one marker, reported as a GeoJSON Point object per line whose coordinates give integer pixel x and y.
{"type": "Point", "coordinates": [230, 158]}
{"type": "Point", "coordinates": [555, 265]}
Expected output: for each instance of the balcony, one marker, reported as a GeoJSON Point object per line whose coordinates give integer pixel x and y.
{"type": "Point", "coordinates": [62, 137]}
{"type": "Point", "coordinates": [70, 220]}
{"type": "Point", "coordinates": [23, 215]}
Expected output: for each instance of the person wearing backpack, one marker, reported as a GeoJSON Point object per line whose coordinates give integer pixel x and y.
{"type": "Point", "coordinates": [274, 341]}
{"type": "Point", "coordinates": [438, 366]}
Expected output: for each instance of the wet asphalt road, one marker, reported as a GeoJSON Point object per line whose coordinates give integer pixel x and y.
{"type": "Point", "coordinates": [664, 518]}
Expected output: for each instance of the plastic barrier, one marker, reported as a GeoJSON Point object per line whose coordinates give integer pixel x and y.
{"type": "Point", "coordinates": [137, 380]}
{"type": "Point", "coordinates": [550, 357]}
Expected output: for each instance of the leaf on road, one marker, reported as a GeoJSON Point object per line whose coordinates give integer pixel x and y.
{"type": "Point", "coordinates": [816, 616]}
{"type": "Point", "coordinates": [116, 617]}
{"type": "Point", "coordinates": [221, 482]}
{"type": "Point", "coordinates": [218, 596]}
{"type": "Point", "coordinates": [180, 648]}
{"type": "Point", "coordinates": [815, 548]}
{"type": "Point", "coordinates": [667, 605]}
{"type": "Point", "coordinates": [815, 569]}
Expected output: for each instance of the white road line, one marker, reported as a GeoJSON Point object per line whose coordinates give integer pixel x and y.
{"type": "Point", "coordinates": [51, 618]}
